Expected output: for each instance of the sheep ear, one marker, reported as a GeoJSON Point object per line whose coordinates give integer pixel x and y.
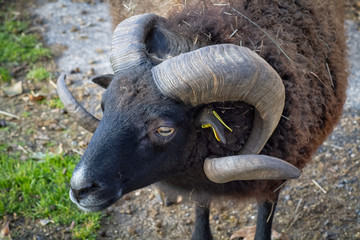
{"type": "Point", "coordinates": [162, 44]}
{"type": "Point", "coordinates": [103, 80]}
{"type": "Point", "coordinates": [157, 42]}
{"type": "Point", "coordinates": [145, 39]}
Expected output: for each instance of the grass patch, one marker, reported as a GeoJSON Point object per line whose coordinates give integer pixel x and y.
{"type": "Point", "coordinates": [16, 46]}
{"type": "Point", "coordinates": [39, 190]}
{"type": "Point", "coordinates": [55, 103]}
{"type": "Point", "coordinates": [38, 74]}
{"type": "Point", "coordinates": [26, 114]}
{"type": "Point", "coordinates": [4, 74]}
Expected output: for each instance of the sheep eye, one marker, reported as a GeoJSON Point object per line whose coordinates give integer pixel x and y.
{"type": "Point", "coordinates": [165, 131]}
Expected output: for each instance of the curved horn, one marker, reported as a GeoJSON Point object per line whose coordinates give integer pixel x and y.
{"type": "Point", "coordinates": [128, 49]}
{"type": "Point", "coordinates": [248, 167]}
{"type": "Point", "coordinates": [229, 72]}
{"type": "Point", "coordinates": [83, 117]}
{"type": "Point", "coordinates": [222, 73]}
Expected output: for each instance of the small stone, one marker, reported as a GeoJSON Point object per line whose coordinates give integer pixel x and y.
{"type": "Point", "coordinates": [83, 144]}
{"type": "Point", "coordinates": [38, 21]}
{"type": "Point", "coordinates": [131, 230]}
{"type": "Point", "coordinates": [2, 123]}
{"type": "Point", "coordinates": [160, 233]}
{"type": "Point", "coordinates": [87, 25]}
{"type": "Point", "coordinates": [102, 233]}
{"type": "Point", "coordinates": [76, 70]}
{"type": "Point", "coordinates": [99, 50]}
{"type": "Point", "coordinates": [63, 111]}
{"type": "Point", "coordinates": [13, 90]}
{"type": "Point", "coordinates": [58, 49]}
{"type": "Point", "coordinates": [158, 223]}
{"type": "Point", "coordinates": [55, 127]}
{"type": "Point", "coordinates": [188, 222]}
{"type": "Point", "coordinates": [44, 222]}
{"type": "Point", "coordinates": [127, 197]}
{"type": "Point", "coordinates": [74, 29]}
{"type": "Point", "coordinates": [82, 37]}
{"type": "Point", "coordinates": [128, 211]}
{"type": "Point", "coordinates": [38, 237]}
{"type": "Point", "coordinates": [91, 72]}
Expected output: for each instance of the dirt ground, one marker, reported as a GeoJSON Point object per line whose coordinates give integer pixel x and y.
{"type": "Point", "coordinates": [323, 204]}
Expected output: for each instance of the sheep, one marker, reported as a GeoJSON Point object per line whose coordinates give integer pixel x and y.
{"type": "Point", "coordinates": [219, 99]}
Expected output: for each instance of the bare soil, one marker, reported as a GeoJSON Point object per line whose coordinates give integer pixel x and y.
{"type": "Point", "coordinates": [323, 204]}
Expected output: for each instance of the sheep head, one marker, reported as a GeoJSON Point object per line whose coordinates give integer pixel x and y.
{"type": "Point", "coordinates": [137, 141]}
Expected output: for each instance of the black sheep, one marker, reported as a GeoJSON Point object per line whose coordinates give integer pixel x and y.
{"type": "Point", "coordinates": [174, 76]}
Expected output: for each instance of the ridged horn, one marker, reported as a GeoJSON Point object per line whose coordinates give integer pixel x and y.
{"type": "Point", "coordinates": [226, 72]}
{"type": "Point", "coordinates": [83, 117]}
{"type": "Point", "coordinates": [128, 49]}
{"type": "Point", "coordinates": [248, 167]}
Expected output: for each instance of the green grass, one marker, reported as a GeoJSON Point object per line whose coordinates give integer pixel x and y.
{"type": "Point", "coordinates": [55, 103]}
{"type": "Point", "coordinates": [16, 46]}
{"type": "Point", "coordinates": [38, 74]}
{"type": "Point", "coordinates": [4, 74]}
{"type": "Point", "coordinates": [26, 114]}
{"type": "Point", "coordinates": [39, 190]}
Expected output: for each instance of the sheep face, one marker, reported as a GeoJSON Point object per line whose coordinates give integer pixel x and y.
{"type": "Point", "coordinates": [140, 140]}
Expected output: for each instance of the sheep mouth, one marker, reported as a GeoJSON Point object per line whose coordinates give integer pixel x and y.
{"type": "Point", "coordinates": [92, 205]}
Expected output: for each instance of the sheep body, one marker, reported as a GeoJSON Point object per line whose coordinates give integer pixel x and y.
{"type": "Point", "coordinates": [302, 40]}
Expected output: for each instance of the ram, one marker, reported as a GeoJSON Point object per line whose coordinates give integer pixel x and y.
{"type": "Point", "coordinates": [219, 99]}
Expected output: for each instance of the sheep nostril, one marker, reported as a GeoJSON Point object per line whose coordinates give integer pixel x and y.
{"type": "Point", "coordinates": [82, 193]}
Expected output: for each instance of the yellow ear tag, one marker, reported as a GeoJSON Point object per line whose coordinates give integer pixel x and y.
{"type": "Point", "coordinates": [222, 122]}
{"type": "Point", "coordinates": [215, 133]}
{"type": "Point", "coordinates": [207, 125]}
